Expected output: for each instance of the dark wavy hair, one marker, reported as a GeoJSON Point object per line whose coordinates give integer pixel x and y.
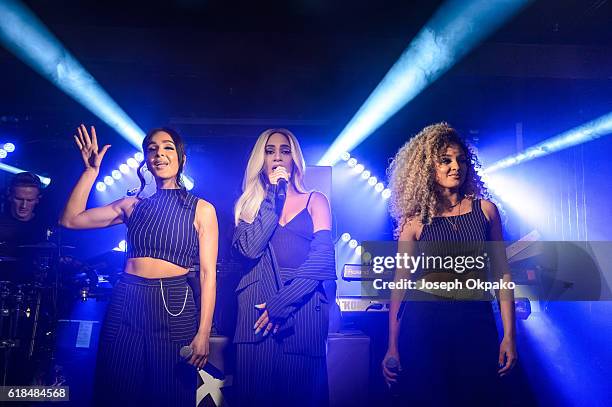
{"type": "Point", "coordinates": [180, 151]}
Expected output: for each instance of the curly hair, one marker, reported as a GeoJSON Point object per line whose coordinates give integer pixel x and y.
{"type": "Point", "coordinates": [412, 175]}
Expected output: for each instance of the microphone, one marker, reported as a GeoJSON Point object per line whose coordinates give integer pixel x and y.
{"type": "Point", "coordinates": [393, 365]}
{"type": "Point", "coordinates": [281, 189]}
{"type": "Point", "coordinates": [187, 351]}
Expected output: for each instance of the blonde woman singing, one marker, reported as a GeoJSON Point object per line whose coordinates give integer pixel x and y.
{"type": "Point", "coordinates": [287, 250]}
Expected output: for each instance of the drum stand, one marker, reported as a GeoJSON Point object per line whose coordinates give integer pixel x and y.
{"type": "Point", "coordinates": [35, 324]}
{"type": "Point", "coordinates": [11, 341]}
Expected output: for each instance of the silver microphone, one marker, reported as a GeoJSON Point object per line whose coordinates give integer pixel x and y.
{"type": "Point", "coordinates": [186, 352]}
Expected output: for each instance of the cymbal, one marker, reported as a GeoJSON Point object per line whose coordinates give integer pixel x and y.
{"type": "Point", "coordinates": [45, 245]}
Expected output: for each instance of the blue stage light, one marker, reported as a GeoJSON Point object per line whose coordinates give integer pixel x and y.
{"type": "Point", "coordinates": [124, 168]}
{"type": "Point", "coordinates": [116, 174]}
{"type": "Point", "coordinates": [386, 194]}
{"type": "Point", "coordinates": [3, 153]}
{"type": "Point", "coordinates": [109, 180]}
{"type": "Point", "coordinates": [346, 237]}
{"type": "Point", "coordinates": [519, 194]}
{"type": "Point", "coordinates": [132, 163]}
{"type": "Point", "coordinates": [26, 36]}
{"type": "Point", "coordinates": [456, 28]}
{"type": "Point", "coordinates": [592, 130]}
{"type": "Point", "coordinates": [100, 186]}
{"type": "Point", "coordinates": [188, 182]}
{"type": "Point", "coordinates": [9, 147]}
{"type": "Point", "coordinates": [345, 156]}
{"type": "Point", "coordinates": [353, 243]}
{"type": "Point", "coordinates": [121, 246]}
{"type": "Point", "coordinates": [14, 170]}
{"type": "Point", "coordinates": [366, 175]}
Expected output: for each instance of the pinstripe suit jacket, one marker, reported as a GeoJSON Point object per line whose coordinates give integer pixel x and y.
{"type": "Point", "coordinates": [301, 306]}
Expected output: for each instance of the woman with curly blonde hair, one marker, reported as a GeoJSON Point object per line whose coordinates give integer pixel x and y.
{"type": "Point", "coordinates": [448, 348]}
{"type": "Point", "coordinates": [414, 190]}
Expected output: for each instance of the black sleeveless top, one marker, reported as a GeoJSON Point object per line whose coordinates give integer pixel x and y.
{"type": "Point", "coordinates": [291, 242]}
{"type": "Point", "coordinates": [471, 227]}
{"type": "Point", "coordinates": [456, 236]}
{"type": "Point", "coordinates": [161, 227]}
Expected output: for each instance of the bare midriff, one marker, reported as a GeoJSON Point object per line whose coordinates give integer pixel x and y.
{"type": "Point", "coordinates": [148, 267]}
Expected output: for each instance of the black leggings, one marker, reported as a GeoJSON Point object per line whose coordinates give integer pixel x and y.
{"type": "Point", "coordinates": [138, 355]}
{"type": "Point", "coordinates": [448, 353]}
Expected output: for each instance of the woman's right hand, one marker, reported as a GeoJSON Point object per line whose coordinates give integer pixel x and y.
{"type": "Point", "coordinates": [278, 173]}
{"type": "Point", "coordinates": [391, 375]}
{"type": "Point", "coordinates": [92, 158]}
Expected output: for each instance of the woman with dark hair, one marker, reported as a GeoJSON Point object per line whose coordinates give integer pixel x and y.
{"type": "Point", "coordinates": [288, 252]}
{"type": "Point", "coordinates": [152, 313]}
{"type": "Point", "coordinates": [447, 339]}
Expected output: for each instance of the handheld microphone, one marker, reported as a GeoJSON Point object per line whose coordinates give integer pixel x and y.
{"type": "Point", "coordinates": [393, 365]}
{"type": "Point", "coordinates": [187, 351]}
{"type": "Point", "coordinates": [281, 189]}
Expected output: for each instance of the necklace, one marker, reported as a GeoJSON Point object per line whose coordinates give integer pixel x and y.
{"type": "Point", "coordinates": [457, 203]}
{"type": "Point", "coordinates": [455, 224]}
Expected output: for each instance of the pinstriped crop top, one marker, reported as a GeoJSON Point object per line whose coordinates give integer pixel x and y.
{"type": "Point", "coordinates": [161, 227]}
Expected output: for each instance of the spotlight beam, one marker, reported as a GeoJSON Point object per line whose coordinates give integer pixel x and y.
{"type": "Point", "coordinates": [592, 130]}
{"type": "Point", "coordinates": [14, 170]}
{"type": "Point", "coordinates": [456, 28]}
{"type": "Point", "coordinates": [25, 35]}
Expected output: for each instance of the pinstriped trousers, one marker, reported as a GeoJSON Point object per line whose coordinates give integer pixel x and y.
{"type": "Point", "coordinates": [138, 359]}
{"type": "Point", "coordinates": [266, 376]}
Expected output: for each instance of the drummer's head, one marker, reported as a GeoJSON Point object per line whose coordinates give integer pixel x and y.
{"type": "Point", "coordinates": [24, 195]}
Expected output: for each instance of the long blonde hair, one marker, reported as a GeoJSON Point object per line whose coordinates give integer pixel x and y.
{"type": "Point", "coordinates": [254, 182]}
{"type": "Point", "coordinates": [412, 175]}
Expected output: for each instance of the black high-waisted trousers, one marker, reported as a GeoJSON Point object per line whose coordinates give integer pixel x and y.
{"type": "Point", "coordinates": [449, 353]}
{"type": "Point", "coordinates": [138, 359]}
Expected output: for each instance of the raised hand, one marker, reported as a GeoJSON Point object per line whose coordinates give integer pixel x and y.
{"type": "Point", "coordinates": [88, 146]}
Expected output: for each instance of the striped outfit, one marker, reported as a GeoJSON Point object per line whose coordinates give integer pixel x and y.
{"type": "Point", "coordinates": [449, 349]}
{"type": "Point", "coordinates": [161, 227]}
{"type": "Point", "coordinates": [138, 356]}
{"type": "Point", "coordinates": [287, 267]}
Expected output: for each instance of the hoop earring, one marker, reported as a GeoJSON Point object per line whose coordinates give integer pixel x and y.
{"type": "Point", "coordinates": [147, 179]}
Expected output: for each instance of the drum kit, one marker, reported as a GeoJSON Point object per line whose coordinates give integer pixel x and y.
{"type": "Point", "coordinates": [37, 286]}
